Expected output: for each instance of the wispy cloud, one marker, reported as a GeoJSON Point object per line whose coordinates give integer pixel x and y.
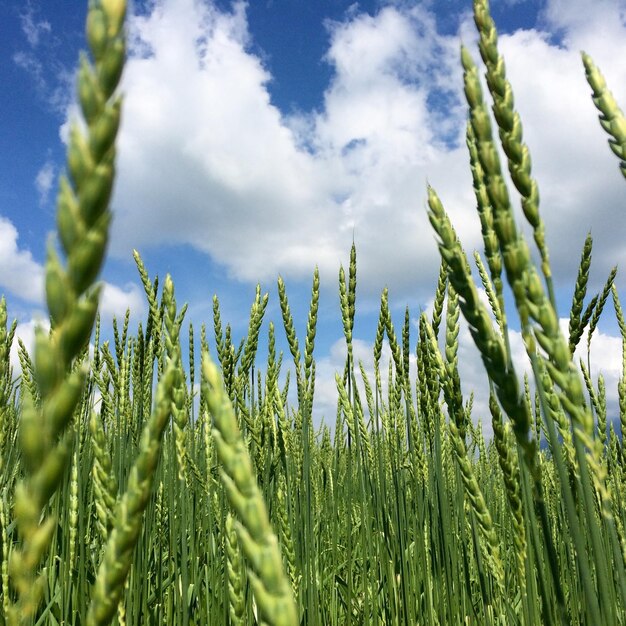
{"type": "Point", "coordinates": [44, 181]}
{"type": "Point", "coordinates": [33, 27]}
{"type": "Point", "coordinates": [38, 58]}
{"type": "Point", "coordinates": [29, 62]}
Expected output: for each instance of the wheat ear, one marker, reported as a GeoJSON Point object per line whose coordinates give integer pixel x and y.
{"type": "Point", "coordinates": [234, 571]}
{"type": "Point", "coordinates": [611, 116]}
{"type": "Point", "coordinates": [510, 131]}
{"type": "Point", "coordinates": [270, 585]}
{"type": "Point", "coordinates": [123, 537]}
{"type": "Point", "coordinates": [83, 221]}
{"type": "Point", "coordinates": [489, 343]}
{"type": "Point", "coordinates": [575, 320]}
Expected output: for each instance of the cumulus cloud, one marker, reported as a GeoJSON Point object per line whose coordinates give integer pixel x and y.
{"type": "Point", "coordinates": [19, 272]}
{"type": "Point", "coordinates": [207, 156]}
{"type": "Point", "coordinates": [207, 159]}
{"type": "Point", "coordinates": [115, 301]}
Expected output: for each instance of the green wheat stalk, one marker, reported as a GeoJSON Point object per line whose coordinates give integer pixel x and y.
{"type": "Point", "coordinates": [83, 220]}
{"type": "Point", "coordinates": [611, 117]}
{"type": "Point", "coordinates": [271, 587]}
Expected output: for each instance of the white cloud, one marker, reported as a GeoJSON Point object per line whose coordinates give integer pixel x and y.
{"type": "Point", "coordinates": [206, 158]}
{"type": "Point", "coordinates": [44, 181]}
{"type": "Point", "coordinates": [115, 301]}
{"type": "Point", "coordinates": [210, 160]}
{"type": "Point", "coordinates": [19, 272]}
{"type": "Point", "coordinates": [24, 277]}
{"type": "Point", "coordinates": [581, 20]}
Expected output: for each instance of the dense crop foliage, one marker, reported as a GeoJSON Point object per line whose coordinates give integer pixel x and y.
{"type": "Point", "coordinates": [120, 503]}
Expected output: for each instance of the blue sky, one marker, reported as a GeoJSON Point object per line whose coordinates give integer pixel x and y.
{"type": "Point", "coordinates": [260, 139]}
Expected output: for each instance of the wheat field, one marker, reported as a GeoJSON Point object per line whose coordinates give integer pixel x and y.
{"type": "Point", "coordinates": [127, 500]}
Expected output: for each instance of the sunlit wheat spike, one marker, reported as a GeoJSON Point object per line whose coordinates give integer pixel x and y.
{"type": "Point", "coordinates": [73, 507]}
{"type": "Point", "coordinates": [28, 372]}
{"type": "Point", "coordinates": [611, 116]}
{"type": "Point", "coordinates": [5, 376]}
{"type": "Point", "coordinates": [494, 302]}
{"type": "Point", "coordinates": [344, 303]}
{"type": "Point", "coordinates": [479, 507]}
{"type": "Point", "coordinates": [272, 365]}
{"type": "Point", "coordinates": [510, 130]}
{"type": "Point", "coordinates": [352, 286]}
{"type": "Point", "coordinates": [271, 587]}
{"type": "Point", "coordinates": [406, 342]}
{"type": "Point", "coordinates": [369, 395]}
{"type": "Point", "coordinates": [118, 554]}
{"type": "Point", "coordinates": [192, 366]}
{"type": "Point", "coordinates": [353, 421]}
{"type": "Point", "coordinates": [292, 338]}
{"type": "Point", "coordinates": [454, 397]}
{"type": "Point", "coordinates": [621, 322]}
{"type": "Point", "coordinates": [235, 574]}
{"type": "Point", "coordinates": [575, 321]}
{"type": "Point", "coordinates": [489, 343]}
{"type": "Point", "coordinates": [622, 382]}
{"type": "Point", "coordinates": [173, 324]}
{"type": "Point", "coordinates": [5, 348]}
{"type": "Point", "coordinates": [512, 482]}
{"type": "Point", "coordinates": [597, 311]}
{"type": "Point", "coordinates": [286, 538]}
{"type": "Point", "coordinates": [311, 326]}
{"type": "Point", "coordinates": [147, 285]}
{"type": "Point", "coordinates": [440, 295]}
{"type": "Point", "coordinates": [217, 328]}
{"type": "Point", "coordinates": [4, 568]}
{"type": "Point", "coordinates": [83, 219]}
{"type": "Point", "coordinates": [601, 414]}
{"type": "Point", "coordinates": [104, 481]}
{"type": "Point", "coordinates": [485, 213]}
{"type": "Point", "coordinates": [254, 326]}
{"type": "Point", "coordinates": [424, 373]}
{"type": "Point", "coordinates": [380, 331]}
{"type": "Point", "coordinates": [391, 335]}
{"type": "Point", "coordinates": [514, 251]}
